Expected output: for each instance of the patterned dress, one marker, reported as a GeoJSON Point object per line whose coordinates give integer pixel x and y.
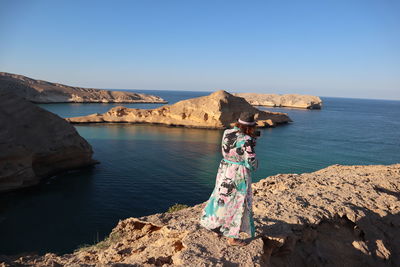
{"type": "Point", "coordinates": [230, 204]}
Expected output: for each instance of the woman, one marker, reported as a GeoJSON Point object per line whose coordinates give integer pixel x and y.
{"type": "Point", "coordinates": [229, 208]}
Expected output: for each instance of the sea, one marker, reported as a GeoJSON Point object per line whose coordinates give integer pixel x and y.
{"type": "Point", "coordinates": [145, 169]}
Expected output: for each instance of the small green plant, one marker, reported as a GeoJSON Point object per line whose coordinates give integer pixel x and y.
{"type": "Point", "coordinates": [103, 244]}
{"type": "Point", "coordinates": [83, 247]}
{"type": "Point", "coordinates": [113, 237]}
{"type": "Point", "coordinates": [177, 207]}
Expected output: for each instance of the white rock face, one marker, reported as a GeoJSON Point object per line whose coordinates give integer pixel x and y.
{"type": "Point", "coordinates": [35, 143]}
{"type": "Point", "coordinates": [288, 100]}
{"type": "Point", "coordinates": [38, 91]}
{"type": "Point", "coordinates": [217, 110]}
{"type": "Point", "coordinates": [337, 216]}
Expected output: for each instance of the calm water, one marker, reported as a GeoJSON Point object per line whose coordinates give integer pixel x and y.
{"type": "Point", "coordinates": [146, 169]}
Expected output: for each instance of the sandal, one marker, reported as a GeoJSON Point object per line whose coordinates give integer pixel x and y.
{"type": "Point", "coordinates": [236, 242]}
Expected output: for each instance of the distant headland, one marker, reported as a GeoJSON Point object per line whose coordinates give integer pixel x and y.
{"type": "Point", "coordinates": [287, 100]}
{"type": "Point", "coordinates": [39, 91]}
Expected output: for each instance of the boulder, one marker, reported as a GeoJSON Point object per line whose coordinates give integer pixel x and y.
{"type": "Point", "coordinates": [217, 110]}
{"type": "Point", "coordinates": [288, 100]}
{"type": "Point", "coordinates": [337, 216]}
{"type": "Point", "coordinates": [38, 91]}
{"type": "Point", "coordinates": [35, 143]}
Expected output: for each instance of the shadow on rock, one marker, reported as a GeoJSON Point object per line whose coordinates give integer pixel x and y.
{"type": "Point", "coordinates": [370, 241]}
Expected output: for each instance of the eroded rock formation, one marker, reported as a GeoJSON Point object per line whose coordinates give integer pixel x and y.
{"type": "Point", "coordinates": [217, 110]}
{"type": "Point", "coordinates": [337, 216]}
{"type": "Point", "coordinates": [38, 91]}
{"type": "Point", "coordinates": [35, 143]}
{"type": "Point", "coordinates": [288, 100]}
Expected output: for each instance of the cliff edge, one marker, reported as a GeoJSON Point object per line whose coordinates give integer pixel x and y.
{"type": "Point", "coordinates": [38, 91]}
{"type": "Point", "coordinates": [337, 216]}
{"type": "Point", "coordinates": [217, 110]}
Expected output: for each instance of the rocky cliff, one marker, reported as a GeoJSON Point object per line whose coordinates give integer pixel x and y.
{"type": "Point", "coordinates": [217, 110]}
{"type": "Point", "coordinates": [38, 91]}
{"type": "Point", "coordinates": [35, 143]}
{"type": "Point", "coordinates": [337, 216]}
{"type": "Point", "coordinates": [288, 100]}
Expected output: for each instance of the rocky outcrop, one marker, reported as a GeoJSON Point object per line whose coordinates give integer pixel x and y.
{"type": "Point", "coordinates": [35, 144]}
{"type": "Point", "coordinates": [337, 216]}
{"type": "Point", "coordinates": [38, 91]}
{"type": "Point", "coordinates": [288, 100]}
{"type": "Point", "coordinates": [217, 110]}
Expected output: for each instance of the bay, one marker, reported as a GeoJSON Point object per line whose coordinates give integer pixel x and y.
{"type": "Point", "coordinates": [145, 169]}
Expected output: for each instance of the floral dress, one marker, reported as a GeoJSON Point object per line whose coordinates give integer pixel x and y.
{"type": "Point", "coordinates": [230, 204]}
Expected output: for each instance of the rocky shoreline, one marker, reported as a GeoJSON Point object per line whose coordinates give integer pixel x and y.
{"type": "Point", "coordinates": [287, 100]}
{"type": "Point", "coordinates": [38, 91]}
{"type": "Point", "coordinates": [36, 144]}
{"type": "Point", "coordinates": [216, 111]}
{"type": "Point", "coordinates": [336, 216]}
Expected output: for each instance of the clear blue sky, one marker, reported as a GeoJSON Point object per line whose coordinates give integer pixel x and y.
{"type": "Point", "coordinates": [325, 48]}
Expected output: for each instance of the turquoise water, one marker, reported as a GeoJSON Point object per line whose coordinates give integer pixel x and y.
{"type": "Point", "coordinates": [146, 169]}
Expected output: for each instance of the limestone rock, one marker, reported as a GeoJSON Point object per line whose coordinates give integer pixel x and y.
{"type": "Point", "coordinates": [35, 143]}
{"type": "Point", "coordinates": [337, 216]}
{"type": "Point", "coordinates": [38, 91]}
{"type": "Point", "coordinates": [217, 110]}
{"type": "Point", "coordinates": [288, 100]}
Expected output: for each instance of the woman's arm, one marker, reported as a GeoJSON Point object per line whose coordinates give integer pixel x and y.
{"type": "Point", "coordinates": [249, 153]}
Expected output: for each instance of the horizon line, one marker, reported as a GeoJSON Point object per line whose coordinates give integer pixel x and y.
{"type": "Point", "coordinates": [116, 89]}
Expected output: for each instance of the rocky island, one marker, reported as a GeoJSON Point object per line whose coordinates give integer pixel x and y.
{"type": "Point", "coordinates": [288, 100]}
{"type": "Point", "coordinates": [38, 91]}
{"type": "Point", "coordinates": [35, 144]}
{"type": "Point", "coordinates": [217, 110]}
{"type": "Point", "coordinates": [337, 216]}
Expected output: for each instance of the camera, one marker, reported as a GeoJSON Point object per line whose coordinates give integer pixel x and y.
{"type": "Point", "coordinates": [257, 133]}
